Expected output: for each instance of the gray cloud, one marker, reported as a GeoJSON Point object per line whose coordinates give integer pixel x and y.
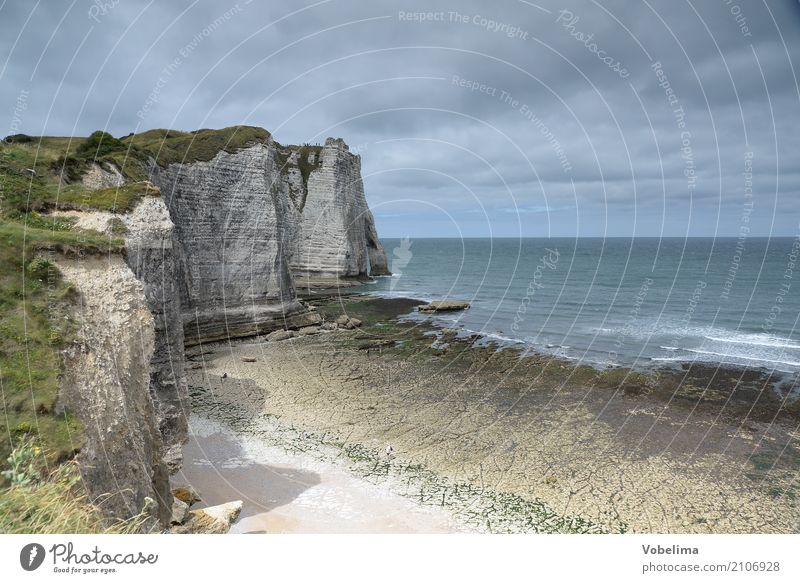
{"type": "Point", "coordinates": [549, 127]}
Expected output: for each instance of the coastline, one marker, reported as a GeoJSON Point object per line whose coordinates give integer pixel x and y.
{"type": "Point", "coordinates": [536, 445]}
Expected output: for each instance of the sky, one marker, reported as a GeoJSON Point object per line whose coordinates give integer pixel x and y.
{"type": "Point", "coordinates": [506, 118]}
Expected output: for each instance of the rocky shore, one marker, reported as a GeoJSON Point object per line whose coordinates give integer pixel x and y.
{"type": "Point", "coordinates": [506, 441]}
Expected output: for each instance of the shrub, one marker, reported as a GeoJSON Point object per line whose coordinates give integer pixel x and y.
{"type": "Point", "coordinates": [21, 463]}
{"type": "Point", "coordinates": [18, 139]}
{"type": "Point", "coordinates": [99, 144]}
{"type": "Point", "coordinates": [39, 266]}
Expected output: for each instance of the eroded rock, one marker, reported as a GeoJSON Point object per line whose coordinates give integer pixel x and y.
{"type": "Point", "coordinates": [279, 335]}
{"type": "Point", "coordinates": [211, 520]}
{"type": "Point", "coordinates": [106, 384]}
{"type": "Point", "coordinates": [308, 331]}
{"type": "Point", "coordinates": [445, 306]}
{"type": "Point", "coordinates": [180, 511]}
{"type": "Point", "coordinates": [345, 321]}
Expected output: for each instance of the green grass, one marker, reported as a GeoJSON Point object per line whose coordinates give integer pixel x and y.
{"type": "Point", "coordinates": [34, 302]}
{"type": "Point", "coordinates": [118, 199]}
{"type": "Point", "coordinates": [34, 326]}
{"type": "Point", "coordinates": [169, 146]}
{"type": "Point", "coordinates": [39, 502]}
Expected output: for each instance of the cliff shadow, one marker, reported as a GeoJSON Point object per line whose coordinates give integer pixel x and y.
{"type": "Point", "coordinates": [220, 469]}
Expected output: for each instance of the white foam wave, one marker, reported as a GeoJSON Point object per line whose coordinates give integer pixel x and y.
{"type": "Point", "coordinates": [756, 340]}
{"type": "Point", "coordinates": [730, 357]}
{"type": "Point", "coordinates": [500, 337]}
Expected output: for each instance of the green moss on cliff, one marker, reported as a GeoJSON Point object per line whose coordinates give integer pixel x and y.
{"type": "Point", "coordinates": [170, 147]}
{"type": "Point", "coordinates": [118, 199]}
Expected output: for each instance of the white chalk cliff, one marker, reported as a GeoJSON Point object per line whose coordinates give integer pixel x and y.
{"type": "Point", "coordinates": [213, 255]}
{"type": "Point", "coordinates": [247, 223]}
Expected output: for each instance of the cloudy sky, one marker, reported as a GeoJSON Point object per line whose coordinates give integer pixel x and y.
{"type": "Point", "coordinates": [500, 118]}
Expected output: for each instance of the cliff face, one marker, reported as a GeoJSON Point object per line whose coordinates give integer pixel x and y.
{"type": "Point", "coordinates": [213, 256]}
{"type": "Point", "coordinates": [150, 246]}
{"type": "Point", "coordinates": [106, 384]}
{"type": "Point", "coordinates": [230, 232]}
{"type": "Point", "coordinates": [248, 222]}
{"type": "Point", "coordinates": [335, 235]}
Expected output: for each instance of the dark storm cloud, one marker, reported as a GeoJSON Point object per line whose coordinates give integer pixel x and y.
{"type": "Point", "coordinates": [558, 109]}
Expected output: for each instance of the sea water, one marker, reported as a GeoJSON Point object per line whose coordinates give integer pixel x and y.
{"type": "Point", "coordinates": [630, 302]}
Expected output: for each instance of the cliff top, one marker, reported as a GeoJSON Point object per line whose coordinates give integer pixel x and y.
{"type": "Point", "coordinates": [170, 146]}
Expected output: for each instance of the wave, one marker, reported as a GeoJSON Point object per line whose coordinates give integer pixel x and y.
{"type": "Point", "coordinates": [500, 337]}
{"type": "Point", "coordinates": [757, 340]}
{"type": "Point", "coordinates": [743, 357]}
{"type": "Point", "coordinates": [665, 330]}
{"type": "Point", "coordinates": [724, 355]}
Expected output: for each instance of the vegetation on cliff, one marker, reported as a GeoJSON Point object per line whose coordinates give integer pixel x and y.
{"type": "Point", "coordinates": [48, 501]}
{"type": "Point", "coordinates": [170, 146]}
{"type": "Point", "coordinates": [34, 300]}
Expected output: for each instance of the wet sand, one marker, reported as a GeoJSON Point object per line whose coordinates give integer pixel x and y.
{"type": "Point", "coordinates": [509, 443]}
{"type": "Point", "coordinates": [293, 493]}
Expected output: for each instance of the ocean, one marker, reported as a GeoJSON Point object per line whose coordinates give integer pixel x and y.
{"type": "Point", "coordinates": [629, 302]}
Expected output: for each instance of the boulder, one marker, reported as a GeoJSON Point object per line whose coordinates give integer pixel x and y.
{"type": "Point", "coordinates": [248, 359]}
{"type": "Point", "coordinates": [345, 321]}
{"type": "Point", "coordinates": [330, 326]}
{"type": "Point", "coordinates": [180, 511]}
{"type": "Point", "coordinates": [308, 331]}
{"type": "Point", "coordinates": [279, 335]}
{"type": "Point", "coordinates": [445, 306]}
{"type": "Point", "coordinates": [211, 520]}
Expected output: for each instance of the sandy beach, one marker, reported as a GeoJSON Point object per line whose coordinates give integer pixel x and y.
{"type": "Point", "coordinates": [285, 492]}
{"type": "Point", "coordinates": [485, 439]}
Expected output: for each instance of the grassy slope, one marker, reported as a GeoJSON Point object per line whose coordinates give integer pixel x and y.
{"type": "Point", "coordinates": [34, 323]}
{"type": "Point", "coordinates": [51, 502]}
{"type": "Point", "coordinates": [170, 146]}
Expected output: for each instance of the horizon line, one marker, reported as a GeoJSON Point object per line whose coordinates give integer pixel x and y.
{"type": "Point", "coordinates": [603, 237]}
